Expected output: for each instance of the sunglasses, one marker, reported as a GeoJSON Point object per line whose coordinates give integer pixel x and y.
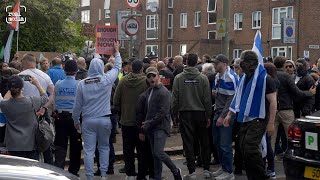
{"type": "Point", "coordinates": [289, 66]}
{"type": "Point", "coordinates": [151, 75]}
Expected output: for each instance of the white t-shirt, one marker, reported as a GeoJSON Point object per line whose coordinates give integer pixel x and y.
{"type": "Point", "coordinates": [31, 90]}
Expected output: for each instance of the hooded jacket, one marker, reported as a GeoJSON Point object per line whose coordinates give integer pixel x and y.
{"type": "Point", "coordinates": [191, 92]}
{"type": "Point", "coordinates": [126, 97]}
{"type": "Point", "coordinates": [93, 93]}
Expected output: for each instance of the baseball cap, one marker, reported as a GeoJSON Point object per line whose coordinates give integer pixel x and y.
{"type": "Point", "coordinates": [71, 66]}
{"type": "Point", "coordinates": [152, 70]}
{"type": "Point", "coordinates": [15, 81]}
{"type": "Point", "coordinates": [220, 58]}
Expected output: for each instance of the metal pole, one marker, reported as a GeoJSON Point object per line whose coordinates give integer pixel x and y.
{"type": "Point", "coordinates": [131, 39]}
{"type": "Point", "coordinates": [226, 14]}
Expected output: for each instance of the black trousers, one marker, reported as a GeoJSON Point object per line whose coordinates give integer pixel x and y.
{"type": "Point", "coordinates": [238, 160]}
{"type": "Point", "coordinates": [130, 139]}
{"type": "Point", "coordinates": [250, 136]}
{"type": "Point", "coordinates": [65, 130]}
{"type": "Point", "coordinates": [145, 159]}
{"type": "Point", "coordinates": [193, 125]}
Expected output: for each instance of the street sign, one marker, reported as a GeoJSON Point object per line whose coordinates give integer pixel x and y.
{"type": "Point", "coordinates": [133, 3]}
{"type": "Point", "coordinates": [221, 27]}
{"type": "Point", "coordinates": [131, 26]}
{"type": "Point", "coordinates": [121, 22]}
{"type": "Point", "coordinates": [288, 30]}
{"type": "Point", "coordinates": [306, 54]}
{"type": "Point", "coordinates": [314, 47]}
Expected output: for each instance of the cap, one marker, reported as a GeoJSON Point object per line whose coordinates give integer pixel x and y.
{"type": "Point", "coordinates": [15, 81]}
{"type": "Point", "coordinates": [220, 58]}
{"type": "Point", "coordinates": [152, 55]}
{"type": "Point", "coordinates": [71, 66]}
{"type": "Point", "coordinates": [137, 66]}
{"type": "Point", "coordinates": [152, 70]}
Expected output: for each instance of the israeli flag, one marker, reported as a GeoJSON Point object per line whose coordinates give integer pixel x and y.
{"type": "Point", "coordinates": [257, 46]}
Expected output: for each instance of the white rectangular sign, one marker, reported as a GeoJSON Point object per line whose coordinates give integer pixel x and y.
{"type": "Point", "coordinates": [314, 47]}
{"type": "Point", "coordinates": [288, 28]}
{"type": "Point", "coordinates": [311, 141]}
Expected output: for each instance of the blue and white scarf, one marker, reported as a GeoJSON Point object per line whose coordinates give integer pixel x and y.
{"type": "Point", "coordinates": [227, 83]}
{"type": "Point", "coordinates": [249, 100]}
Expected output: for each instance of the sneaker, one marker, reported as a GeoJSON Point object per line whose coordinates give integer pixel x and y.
{"type": "Point", "coordinates": [225, 176]}
{"type": "Point", "coordinates": [130, 178]}
{"type": "Point", "coordinates": [207, 174]}
{"type": "Point", "coordinates": [218, 172]}
{"type": "Point", "coordinates": [192, 176]}
{"type": "Point", "coordinates": [177, 175]}
{"type": "Point", "coordinates": [104, 178]}
{"type": "Point", "coordinates": [271, 174]}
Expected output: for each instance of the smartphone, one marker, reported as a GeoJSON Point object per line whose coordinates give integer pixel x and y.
{"type": "Point", "coordinates": [25, 77]}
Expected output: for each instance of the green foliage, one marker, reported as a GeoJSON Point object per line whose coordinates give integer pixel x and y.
{"type": "Point", "coordinates": [51, 26]}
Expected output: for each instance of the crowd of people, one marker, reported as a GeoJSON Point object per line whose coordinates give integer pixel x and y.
{"type": "Point", "coordinates": [213, 101]}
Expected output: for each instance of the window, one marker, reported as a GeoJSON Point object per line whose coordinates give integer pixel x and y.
{"type": "Point", "coordinates": [85, 3]}
{"type": "Point", "coordinates": [183, 20]}
{"type": "Point", "coordinates": [170, 3]}
{"type": "Point", "coordinates": [151, 26]}
{"type": "Point", "coordinates": [99, 14]}
{"type": "Point", "coordinates": [183, 49]}
{"type": "Point", "coordinates": [150, 48]}
{"type": "Point", "coordinates": [256, 20]}
{"type": "Point", "coordinates": [211, 9]}
{"type": "Point", "coordinates": [170, 26]}
{"type": "Point", "coordinates": [238, 21]}
{"type": "Point", "coordinates": [212, 34]}
{"type": "Point", "coordinates": [282, 51]}
{"type": "Point", "coordinates": [85, 16]}
{"type": "Point", "coordinates": [277, 15]}
{"type": "Point", "coordinates": [169, 50]}
{"type": "Point", "coordinates": [197, 18]}
{"type": "Point", "coordinates": [237, 53]}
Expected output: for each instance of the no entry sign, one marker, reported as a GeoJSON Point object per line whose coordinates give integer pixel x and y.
{"type": "Point", "coordinates": [133, 3]}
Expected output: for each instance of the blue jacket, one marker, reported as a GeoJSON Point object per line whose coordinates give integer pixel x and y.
{"type": "Point", "coordinates": [65, 93]}
{"type": "Point", "coordinates": [93, 93]}
{"type": "Point", "coordinates": [56, 73]}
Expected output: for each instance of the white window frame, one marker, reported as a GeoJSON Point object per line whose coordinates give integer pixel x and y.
{"type": "Point", "coordinates": [282, 51]}
{"type": "Point", "coordinates": [170, 26]}
{"type": "Point", "coordinates": [85, 3]}
{"type": "Point", "coordinates": [276, 23]}
{"type": "Point", "coordinates": [215, 6]}
{"type": "Point", "coordinates": [170, 4]}
{"type": "Point", "coordinates": [183, 20]}
{"type": "Point", "coordinates": [212, 31]}
{"type": "Point", "coordinates": [85, 16]}
{"type": "Point", "coordinates": [151, 26]}
{"type": "Point", "coordinates": [197, 18]}
{"type": "Point", "coordinates": [153, 48]}
{"type": "Point", "coordinates": [256, 16]}
{"type": "Point", "coordinates": [236, 21]}
{"type": "Point", "coordinates": [99, 14]}
{"type": "Point", "coordinates": [169, 49]}
{"type": "Point", "coordinates": [236, 53]}
{"type": "Point", "coordinates": [181, 46]}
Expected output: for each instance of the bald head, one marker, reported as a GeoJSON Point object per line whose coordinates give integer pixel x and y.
{"type": "Point", "coordinates": [161, 65]}
{"type": "Point", "coordinates": [177, 60]}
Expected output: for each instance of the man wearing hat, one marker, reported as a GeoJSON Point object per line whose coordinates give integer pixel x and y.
{"type": "Point", "coordinates": [64, 98]}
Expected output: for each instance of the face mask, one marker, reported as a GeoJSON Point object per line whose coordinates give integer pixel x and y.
{"type": "Point", "coordinates": [301, 70]}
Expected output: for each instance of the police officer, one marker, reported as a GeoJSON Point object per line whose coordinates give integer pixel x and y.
{"type": "Point", "coordinates": [93, 101]}
{"type": "Point", "coordinates": [64, 97]}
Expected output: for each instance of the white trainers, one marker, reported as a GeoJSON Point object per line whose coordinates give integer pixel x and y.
{"type": "Point", "coordinates": [192, 176]}
{"type": "Point", "coordinates": [207, 174]}
{"type": "Point", "coordinates": [225, 176]}
{"type": "Point", "coordinates": [130, 178]}
{"type": "Point", "coordinates": [218, 172]}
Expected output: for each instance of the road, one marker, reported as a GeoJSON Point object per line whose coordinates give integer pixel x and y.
{"type": "Point", "coordinates": [179, 160]}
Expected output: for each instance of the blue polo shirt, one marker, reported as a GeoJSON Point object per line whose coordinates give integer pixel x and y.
{"type": "Point", "coordinates": [56, 73]}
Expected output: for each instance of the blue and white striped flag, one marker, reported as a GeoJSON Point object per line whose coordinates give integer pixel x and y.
{"type": "Point", "coordinates": [257, 46]}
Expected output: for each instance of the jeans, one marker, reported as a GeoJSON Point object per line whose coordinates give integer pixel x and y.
{"type": "Point", "coordinates": [270, 155]}
{"type": "Point", "coordinates": [158, 141]}
{"type": "Point", "coordinates": [223, 139]}
{"type": "Point", "coordinates": [93, 130]}
{"type": "Point", "coordinates": [250, 135]}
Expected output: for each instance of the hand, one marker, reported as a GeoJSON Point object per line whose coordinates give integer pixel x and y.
{"type": "Point", "coordinates": [41, 112]}
{"type": "Point", "coordinates": [142, 137]}
{"type": "Point", "coordinates": [313, 90]}
{"type": "Point", "coordinates": [226, 121]}
{"type": "Point", "coordinates": [116, 46]}
{"type": "Point", "coordinates": [219, 122]}
{"type": "Point", "coordinates": [34, 81]}
{"type": "Point", "coordinates": [270, 129]}
{"type": "Point", "coordinates": [208, 123]}
{"type": "Point", "coordinates": [77, 126]}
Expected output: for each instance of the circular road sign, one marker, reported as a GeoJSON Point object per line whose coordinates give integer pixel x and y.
{"type": "Point", "coordinates": [289, 31]}
{"type": "Point", "coordinates": [133, 3]}
{"type": "Point", "coordinates": [131, 26]}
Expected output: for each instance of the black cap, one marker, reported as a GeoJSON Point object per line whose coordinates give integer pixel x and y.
{"type": "Point", "coordinates": [137, 66]}
{"type": "Point", "coordinates": [15, 81]}
{"type": "Point", "coordinates": [220, 58]}
{"type": "Point", "coordinates": [71, 66]}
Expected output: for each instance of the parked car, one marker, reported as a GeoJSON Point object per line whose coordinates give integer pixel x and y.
{"type": "Point", "coordinates": [302, 158]}
{"type": "Point", "coordinates": [17, 168]}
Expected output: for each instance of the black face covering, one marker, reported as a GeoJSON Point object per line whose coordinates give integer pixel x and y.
{"type": "Point", "coordinates": [302, 70]}
{"type": "Point", "coordinates": [248, 67]}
